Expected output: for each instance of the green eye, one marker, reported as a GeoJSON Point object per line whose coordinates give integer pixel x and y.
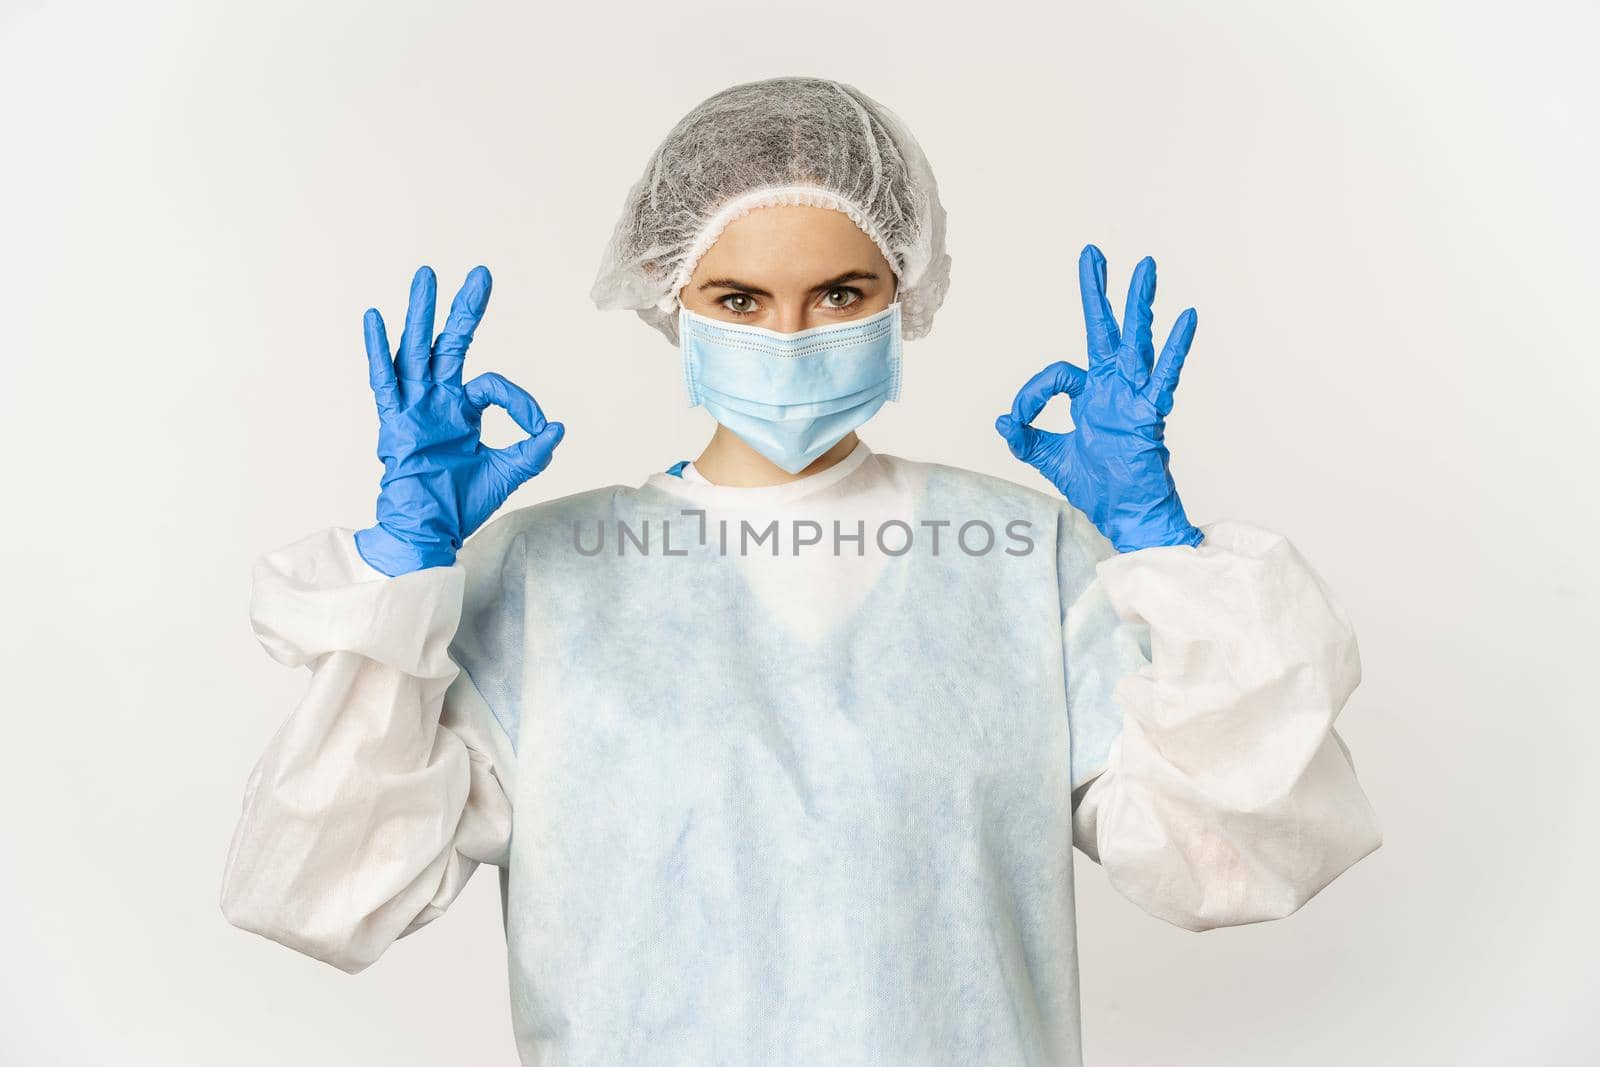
{"type": "Point", "coordinates": [841, 297]}
{"type": "Point", "coordinates": [739, 303]}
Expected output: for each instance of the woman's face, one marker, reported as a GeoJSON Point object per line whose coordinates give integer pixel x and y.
{"type": "Point", "coordinates": [790, 267]}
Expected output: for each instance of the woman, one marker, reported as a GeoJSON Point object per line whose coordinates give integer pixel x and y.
{"type": "Point", "coordinates": [797, 738]}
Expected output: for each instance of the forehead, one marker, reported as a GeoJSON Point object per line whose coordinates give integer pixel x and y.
{"type": "Point", "coordinates": [786, 243]}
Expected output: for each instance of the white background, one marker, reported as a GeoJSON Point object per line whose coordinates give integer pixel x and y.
{"type": "Point", "coordinates": [1384, 213]}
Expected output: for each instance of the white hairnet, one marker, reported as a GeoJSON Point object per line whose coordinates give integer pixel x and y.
{"type": "Point", "coordinates": [779, 141]}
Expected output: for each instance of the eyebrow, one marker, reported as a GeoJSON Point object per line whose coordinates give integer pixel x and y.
{"type": "Point", "coordinates": [742, 287]}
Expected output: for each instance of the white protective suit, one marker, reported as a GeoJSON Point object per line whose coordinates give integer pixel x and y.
{"type": "Point", "coordinates": [775, 805]}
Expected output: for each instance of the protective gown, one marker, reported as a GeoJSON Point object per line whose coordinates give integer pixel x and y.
{"type": "Point", "coordinates": [793, 774]}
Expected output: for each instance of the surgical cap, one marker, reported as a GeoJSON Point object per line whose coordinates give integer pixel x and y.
{"type": "Point", "coordinates": [779, 141]}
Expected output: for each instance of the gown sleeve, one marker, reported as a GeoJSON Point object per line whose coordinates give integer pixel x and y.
{"type": "Point", "coordinates": [388, 785]}
{"type": "Point", "coordinates": [1204, 683]}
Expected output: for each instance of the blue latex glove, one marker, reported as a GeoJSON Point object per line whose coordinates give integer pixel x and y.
{"type": "Point", "coordinates": [1112, 466]}
{"type": "Point", "coordinates": [440, 482]}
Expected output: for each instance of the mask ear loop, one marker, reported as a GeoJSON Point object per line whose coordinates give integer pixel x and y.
{"type": "Point", "coordinates": [894, 386]}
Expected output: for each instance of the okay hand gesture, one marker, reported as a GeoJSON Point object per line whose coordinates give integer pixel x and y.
{"type": "Point", "coordinates": [1113, 464]}
{"type": "Point", "coordinates": [440, 482]}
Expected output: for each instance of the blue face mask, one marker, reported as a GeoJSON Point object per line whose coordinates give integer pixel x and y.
{"type": "Point", "coordinates": [791, 396]}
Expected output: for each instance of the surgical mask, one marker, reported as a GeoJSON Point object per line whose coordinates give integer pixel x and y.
{"type": "Point", "coordinates": [791, 396]}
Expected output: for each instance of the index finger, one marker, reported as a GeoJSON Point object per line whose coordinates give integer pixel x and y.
{"type": "Point", "coordinates": [1057, 378]}
{"type": "Point", "coordinates": [491, 388]}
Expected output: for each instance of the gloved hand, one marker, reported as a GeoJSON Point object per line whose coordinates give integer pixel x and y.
{"type": "Point", "coordinates": [440, 483]}
{"type": "Point", "coordinates": [1112, 466]}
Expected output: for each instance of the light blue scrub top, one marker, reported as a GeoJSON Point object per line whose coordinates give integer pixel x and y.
{"type": "Point", "coordinates": [734, 846]}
